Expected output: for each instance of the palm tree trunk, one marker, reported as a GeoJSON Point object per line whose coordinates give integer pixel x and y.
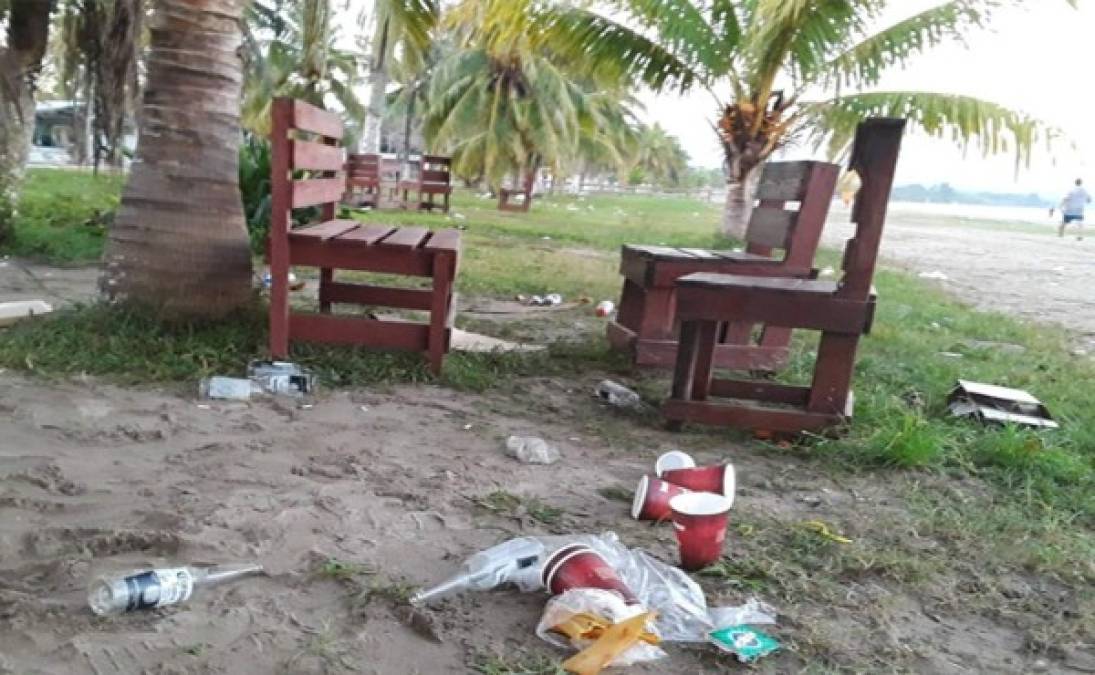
{"type": "Point", "coordinates": [739, 206]}
{"type": "Point", "coordinates": [179, 242]}
{"type": "Point", "coordinates": [28, 31]}
{"type": "Point", "coordinates": [378, 90]}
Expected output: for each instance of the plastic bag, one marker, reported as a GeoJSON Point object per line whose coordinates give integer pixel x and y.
{"type": "Point", "coordinates": [607, 605]}
{"type": "Point", "coordinates": [754, 613]}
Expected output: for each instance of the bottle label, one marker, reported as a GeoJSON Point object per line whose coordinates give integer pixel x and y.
{"type": "Point", "coordinates": [159, 588]}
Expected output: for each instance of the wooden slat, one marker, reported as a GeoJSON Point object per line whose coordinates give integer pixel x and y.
{"type": "Point", "coordinates": [444, 240]}
{"type": "Point", "coordinates": [388, 334]}
{"type": "Point", "coordinates": [327, 230]}
{"type": "Point", "coordinates": [770, 227]}
{"type": "Point", "coordinates": [437, 160]}
{"type": "Point", "coordinates": [366, 235]}
{"type": "Point", "coordinates": [770, 392]}
{"type": "Point", "coordinates": [384, 296]}
{"type": "Point", "coordinates": [317, 191]}
{"type": "Point", "coordinates": [740, 281]}
{"type": "Point", "coordinates": [745, 416]}
{"type": "Point", "coordinates": [434, 176]}
{"type": "Point", "coordinates": [405, 237]}
{"type": "Point", "coordinates": [315, 156]}
{"type": "Point", "coordinates": [784, 181]}
{"type": "Point", "coordinates": [701, 253]}
{"type": "Point", "coordinates": [741, 256]}
{"type": "Point", "coordinates": [307, 117]}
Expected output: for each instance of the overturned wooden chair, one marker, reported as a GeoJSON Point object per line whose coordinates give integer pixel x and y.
{"type": "Point", "coordinates": [779, 242]}
{"type": "Point", "coordinates": [431, 177]}
{"type": "Point", "coordinates": [307, 167]}
{"type": "Point", "coordinates": [841, 310]}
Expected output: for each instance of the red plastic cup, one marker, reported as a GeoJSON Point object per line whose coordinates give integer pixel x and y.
{"type": "Point", "coordinates": [582, 567]}
{"type": "Point", "coordinates": [674, 459]}
{"type": "Point", "coordinates": [700, 520]}
{"type": "Point", "coordinates": [719, 479]}
{"type": "Point", "coordinates": [652, 498]}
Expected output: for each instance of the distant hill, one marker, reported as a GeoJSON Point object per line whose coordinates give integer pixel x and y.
{"type": "Point", "coordinates": [945, 194]}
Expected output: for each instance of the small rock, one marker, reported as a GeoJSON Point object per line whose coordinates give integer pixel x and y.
{"type": "Point", "coordinates": [532, 450]}
{"type": "Point", "coordinates": [421, 622]}
{"type": "Point", "coordinates": [810, 500]}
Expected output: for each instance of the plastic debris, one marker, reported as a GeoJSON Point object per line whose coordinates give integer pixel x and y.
{"type": "Point", "coordinates": [934, 274]}
{"type": "Point", "coordinates": [516, 561]}
{"type": "Point", "coordinates": [823, 529]}
{"type": "Point", "coordinates": [226, 388]}
{"type": "Point", "coordinates": [279, 378]}
{"type": "Point", "coordinates": [616, 639]}
{"type": "Point", "coordinates": [990, 404]}
{"type": "Point", "coordinates": [532, 450]}
{"type": "Point", "coordinates": [618, 395]}
{"type": "Point", "coordinates": [605, 308]}
{"type": "Point", "coordinates": [747, 644]}
{"type": "Point", "coordinates": [579, 617]}
{"type": "Point", "coordinates": [151, 589]}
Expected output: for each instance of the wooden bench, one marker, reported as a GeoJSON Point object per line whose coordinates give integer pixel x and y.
{"type": "Point", "coordinates": [307, 165]}
{"type": "Point", "coordinates": [431, 176]}
{"type": "Point", "coordinates": [519, 199]}
{"type": "Point", "coordinates": [363, 180]}
{"type": "Point", "coordinates": [645, 326]}
{"type": "Point", "coordinates": [841, 311]}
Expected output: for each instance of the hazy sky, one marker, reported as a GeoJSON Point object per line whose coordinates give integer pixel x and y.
{"type": "Point", "coordinates": [1038, 60]}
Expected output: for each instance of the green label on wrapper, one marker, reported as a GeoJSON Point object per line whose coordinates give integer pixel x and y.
{"type": "Point", "coordinates": [748, 644]}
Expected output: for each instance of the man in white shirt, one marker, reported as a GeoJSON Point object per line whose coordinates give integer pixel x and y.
{"type": "Point", "coordinates": [1072, 208]}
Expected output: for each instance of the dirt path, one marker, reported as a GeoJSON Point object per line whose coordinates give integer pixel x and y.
{"type": "Point", "coordinates": [1026, 271]}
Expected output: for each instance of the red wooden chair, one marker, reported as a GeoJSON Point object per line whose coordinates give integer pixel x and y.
{"type": "Point", "coordinates": [645, 326]}
{"type": "Point", "coordinates": [363, 179]}
{"type": "Point", "coordinates": [519, 199]}
{"type": "Point", "coordinates": [432, 177]}
{"type": "Point", "coordinates": [842, 311]}
{"type": "Point", "coordinates": [306, 141]}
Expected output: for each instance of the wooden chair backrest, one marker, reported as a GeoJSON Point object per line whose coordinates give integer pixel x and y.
{"type": "Point", "coordinates": [389, 169]}
{"type": "Point", "coordinates": [362, 169]}
{"type": "Point", "coordinates": [436, 170]}
{"type": "Point", "coordinates": [796, 231]}
{"type": "Point", "coordinates": [307, 162]}
{"type": "Point", "coordinates": [874, 158]}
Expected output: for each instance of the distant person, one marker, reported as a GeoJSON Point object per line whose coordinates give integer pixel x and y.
{"type": "Point", "coordinates": [1072, 209]}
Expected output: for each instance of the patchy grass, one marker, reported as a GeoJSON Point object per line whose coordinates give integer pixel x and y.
{"type": "Point", "coordinates": [525, 663]}
{"type": "Point", "coordinates": [63, 215]}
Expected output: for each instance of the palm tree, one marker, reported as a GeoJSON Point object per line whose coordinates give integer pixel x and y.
{"type": "Point", "coordinates": [660, 156]}
{"type": "Point", "coordinates": [800, 69]}
{"type": "Point", "coordinates": [178, 244]}
{"type": "Point", "coordinates": [505, 101]}
{"type": "Point", "coordinates": [401, 29]}
{"type": "Point", "coordinates": [289, 52]}
{"type": "Point", "coordinates": [27, 23]}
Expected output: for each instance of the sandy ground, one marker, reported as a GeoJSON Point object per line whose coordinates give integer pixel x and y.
{"type": "Point", "coordinates": [95, 477]}
{"type": "Point", "coordinates": [1026, 271]}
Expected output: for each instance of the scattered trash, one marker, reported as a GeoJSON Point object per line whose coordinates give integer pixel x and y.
{"type": "Point", "coordinates": [934, 274]}
{"type": "Point", "coordinates": [580, 617]}
{"type": "Point", "coordinates": [753, 612]}
{"type": "Point", "coordinates": [605, 308]}
{"type": "Point", "coordinates": [618, 395]}
{"type": "Point", "coordinates": [579, 566]}
{"type": "Point", "coordinates": [467, 427]}
{"type": "Point", "coordinates": [363, 408]}
{"type": "Point", "coordinates": [279, 378]}
{"type": "Point", "coordinates": [295, 284]}
{"type": "Point", "coordinates": [515, 561]}
{"type": "Point", "coordinates": [651, 499]}
{"type": "Point", "coordinates": [674, 459]}
{"type": "Point", "coordinates": [700, 519]}
{"type": "Point", "coordinates": [226, 388]}
{"type": "Point", "coordinates": [747, 644]}
{"type": "Point", "coordinates": [532, 450]}
{"type": "Point", "coordinates": [554, 299]}
{"type": "Point", "coordinates": [521, 297]}
{"type": "Point", "coordinates": [550, 300]}
{"type": "Point", "coordinates": [822, 529]}
{"type": "Point", "coordinates": [151, 589]}
{"type": "Point", "coordinates": [10, 312]}
{"type": "Point", "coordinates": [991, 404]}
{"type": "Point", "coordinates": [952, 355]}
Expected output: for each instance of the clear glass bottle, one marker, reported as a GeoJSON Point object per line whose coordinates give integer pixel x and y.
{"type": "Point", "coordinates": [149, 589]}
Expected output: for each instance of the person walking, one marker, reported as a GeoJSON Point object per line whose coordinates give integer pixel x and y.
{"type": "Point", "coordinates": [1072, 209]}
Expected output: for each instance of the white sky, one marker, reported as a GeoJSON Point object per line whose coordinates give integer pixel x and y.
{"type": "Point", "coordinates": [1038, 60]}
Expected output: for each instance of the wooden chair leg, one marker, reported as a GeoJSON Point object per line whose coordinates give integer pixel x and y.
{"type": "Point", "coordinates": [326, 277]}
{"type": "Point", "coordinates": [833, 373]}
{"type": "Point", "coordinates": [446, 202]}
{"type": "Point", "coordinates": [704, 359]}
{"type": "Point", "coordinates": [695, 358]}
{"type": "Point", "coordinates": [443, 274]}
{"type": "Point", "coordinates": [279, 310]}
{"type": "Point", "coordinates": [776, 336]}
{"type": "Point", "coordinates": [632, 300]}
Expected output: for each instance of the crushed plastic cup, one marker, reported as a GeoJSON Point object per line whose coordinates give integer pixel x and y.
{"type": "Point", "coordinates": [605, 308]}
{"type": "Point", "coordinates": [674, 459]}
{"type": "Point", "coordinates": [720, 479]}
{"type": "Point", "coordinates": [700, 520]}
{"type": "Point", "coordinates": [652, 497]}
{"type": "Point", "coordinates": [582, 567]}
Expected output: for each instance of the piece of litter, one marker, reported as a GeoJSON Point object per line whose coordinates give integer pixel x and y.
{"type": "Point", "coordinates": [204, 406]}
{"type": "Point", "coordinates": [934, 274]}
{"type": "Point", "coordinates": [364, 408]}
{"type": "Point", "coordinates": [747, 644]}
{"type": "Point", "coordinates": [951, 355]}
{"type": "Point", "coordinates": [618, 395]}
{"type": "Point", "coordinates": [823, 530]}
{"type": "Point", "coordinates": [467, 427]}
{"type": "Point", "coordinates": [992, 404]}
{"type": "Point", "coordinates": [532, 450]}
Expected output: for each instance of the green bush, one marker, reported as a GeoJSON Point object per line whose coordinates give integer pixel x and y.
{"type": "Point", "coordinates": [255, 188]}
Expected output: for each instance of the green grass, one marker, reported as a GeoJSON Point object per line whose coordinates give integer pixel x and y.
{"type": "Point", "coordinates": [62, 215]}
{"type": "Point", "coordinates": [901, 382]}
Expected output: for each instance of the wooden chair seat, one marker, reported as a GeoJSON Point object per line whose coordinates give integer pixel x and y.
{"type": "Point", "coordinates": [645, 327]}
{"type": "Point", "coordinates": [841, 311]}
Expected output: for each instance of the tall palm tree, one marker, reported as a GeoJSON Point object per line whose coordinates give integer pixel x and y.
{"type": "Point", "coordinates": [660, 156]}
{"type": "Point", "coordinates": [179, 244]}
{"type": "Point", "coordinates": [26, 37]}
{"type": "Point", "coordinates": [401, 28]}
{"type": "Point", "coordinates": [289, 52]}
{"type": "Point", "coordinates": [800, 69]}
